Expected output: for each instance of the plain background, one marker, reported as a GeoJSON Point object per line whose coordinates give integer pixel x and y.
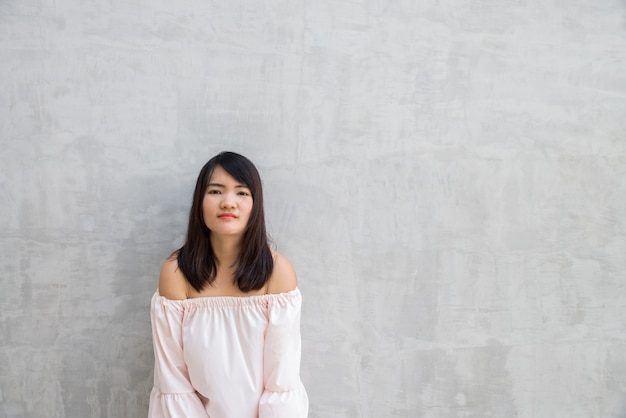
{"type": "Point", "coordinates": [447, 177]}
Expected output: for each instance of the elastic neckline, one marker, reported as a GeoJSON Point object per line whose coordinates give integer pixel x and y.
{"type": "Point", "coordinates": [222, 301]}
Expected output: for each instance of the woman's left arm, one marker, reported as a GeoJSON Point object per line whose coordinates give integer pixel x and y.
{"type": "Point", "coordinates": [284, 395]}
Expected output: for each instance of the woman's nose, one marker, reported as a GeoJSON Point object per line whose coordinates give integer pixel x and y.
{"type": "Point", "coordinates": [228, 201]}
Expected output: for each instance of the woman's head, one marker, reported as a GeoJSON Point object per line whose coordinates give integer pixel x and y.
{"type": "Point", "coordinates": [244, 172]}
{"type": "Point", "coordinates": [196, 257]}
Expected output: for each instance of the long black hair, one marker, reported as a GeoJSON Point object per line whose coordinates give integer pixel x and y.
{"type": "Point", "coordinates": [196, 258]}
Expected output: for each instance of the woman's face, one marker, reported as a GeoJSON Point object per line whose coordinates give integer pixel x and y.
{"type": "Point", "coordinates": [226, 205]}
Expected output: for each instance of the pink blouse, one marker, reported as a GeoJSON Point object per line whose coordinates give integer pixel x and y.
{"type": "Point", "coordinates": [227, 357]}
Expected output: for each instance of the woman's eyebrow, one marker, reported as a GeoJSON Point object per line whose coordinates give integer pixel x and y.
{"type": "Point", "coordinates": [221, 185]}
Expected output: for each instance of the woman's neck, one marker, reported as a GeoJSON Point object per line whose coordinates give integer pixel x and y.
{"type": "Point", "coordinates": [226, 250]}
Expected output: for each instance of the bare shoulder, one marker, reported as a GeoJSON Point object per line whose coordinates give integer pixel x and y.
{"type": "Point", "coordinates": [283, 278]}
{"type": "Point", "coordinates": [172, 281]}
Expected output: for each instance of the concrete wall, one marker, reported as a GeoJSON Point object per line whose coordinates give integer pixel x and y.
{"type": "Point", "coordinates": [448, 178]}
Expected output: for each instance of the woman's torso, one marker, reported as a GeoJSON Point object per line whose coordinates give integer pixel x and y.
{"type": "Point", "coordinates": [223, 341]}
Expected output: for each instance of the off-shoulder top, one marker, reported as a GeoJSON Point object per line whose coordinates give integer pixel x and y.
{"type": "Point", "coordinates": [227, 357]}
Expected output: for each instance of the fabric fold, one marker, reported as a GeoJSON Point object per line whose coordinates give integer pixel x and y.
{"type": "Point", "coordinates": [176, 405]}
{"type": "Point", "coordinates": [292, 403]}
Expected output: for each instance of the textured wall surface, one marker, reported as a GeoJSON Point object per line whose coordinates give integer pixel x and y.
{"type": "Point", "coordinates": [448, 178]}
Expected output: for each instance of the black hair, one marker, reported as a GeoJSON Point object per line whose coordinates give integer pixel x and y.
{"type": "Point", "coordinates": [196, 258]}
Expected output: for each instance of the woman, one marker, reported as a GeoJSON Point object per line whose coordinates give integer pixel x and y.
{"type": "Point", "coordinates": [226, 316]}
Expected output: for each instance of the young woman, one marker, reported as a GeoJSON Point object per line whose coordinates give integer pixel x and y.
{"type": "Point", "coordinates": [226, 316]}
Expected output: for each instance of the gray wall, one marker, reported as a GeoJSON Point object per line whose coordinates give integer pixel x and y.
{"type": "Point", "coordinates": [448, 178]}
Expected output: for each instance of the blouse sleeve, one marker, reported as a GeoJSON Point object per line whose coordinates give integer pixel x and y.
{"type": "Point", "coordinates": [284, 395]}
{"type": "Point", "coordinates": [173, 395]}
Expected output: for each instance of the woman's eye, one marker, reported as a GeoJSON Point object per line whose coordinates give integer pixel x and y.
{"type": "Point", "coordinates": [213, 192]}
{"type": "Point", "coordinates": [243, 194]}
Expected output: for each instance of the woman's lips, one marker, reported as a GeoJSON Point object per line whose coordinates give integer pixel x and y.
{"type": "Point", "coordinates": [227, 216]}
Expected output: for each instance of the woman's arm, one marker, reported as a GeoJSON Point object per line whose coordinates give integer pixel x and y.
{"type": "Point", "coordinates": [173, 395]}
{"type": "Point", "coordinates": [284, 395]}
{"type": "Point", "coordinates": [172, 282]}
{"type": "Point", "coordinates": [283, 278]}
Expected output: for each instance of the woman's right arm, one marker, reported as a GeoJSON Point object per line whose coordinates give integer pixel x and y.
{"type": "Point", "coordinates": [172, 281]}
{"type": "Point", "coordinates": [173, 394]}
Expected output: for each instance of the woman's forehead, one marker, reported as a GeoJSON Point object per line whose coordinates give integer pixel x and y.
{"type": "Point", "coordinates": [221, 177]}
